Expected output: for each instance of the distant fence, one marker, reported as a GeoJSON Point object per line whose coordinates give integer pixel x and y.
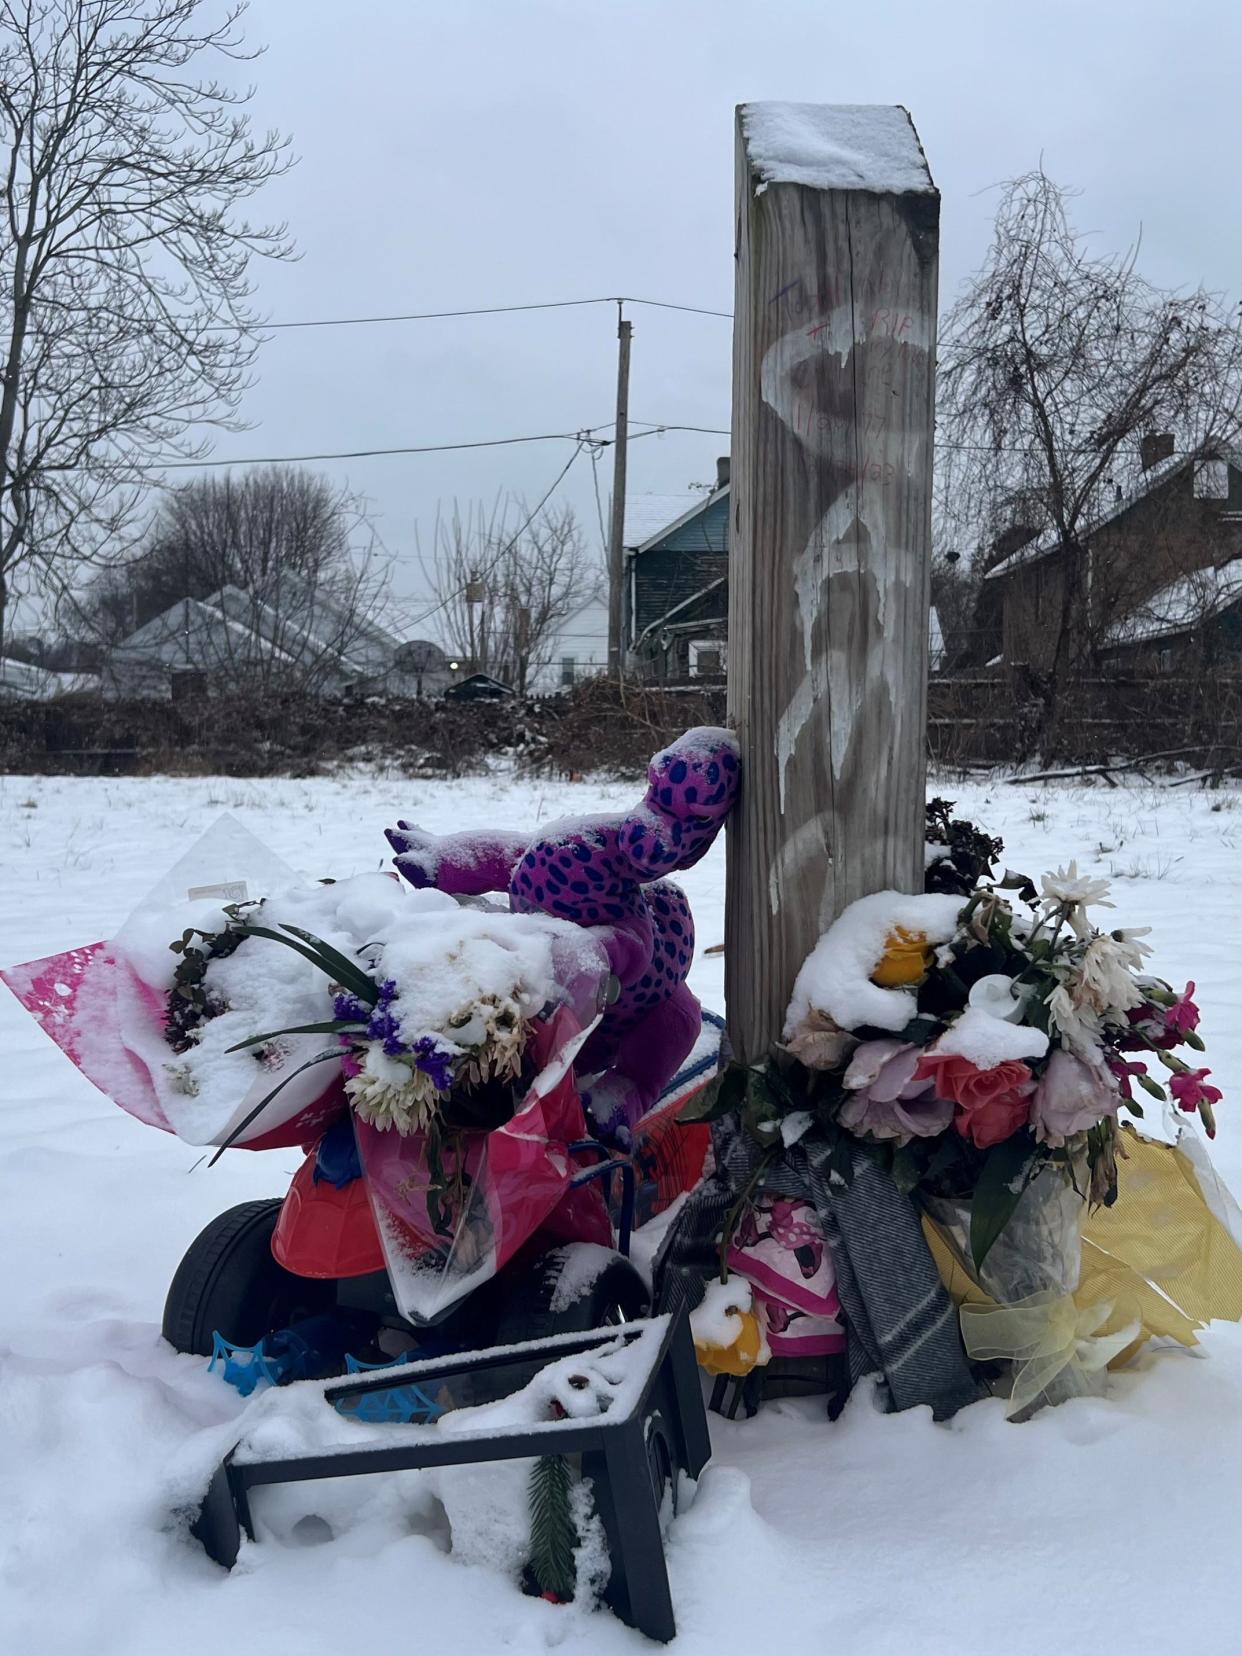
{"type": "Point", "coordinates": [1004, 719]}
{"type": "Point", "coordinates": [981, 719]}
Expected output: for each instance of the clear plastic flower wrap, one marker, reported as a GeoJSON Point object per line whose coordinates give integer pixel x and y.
{"type": "Point", "coordinates": [1034, 1265]}
{"type": "Point", "coordinates": [498, 1188]}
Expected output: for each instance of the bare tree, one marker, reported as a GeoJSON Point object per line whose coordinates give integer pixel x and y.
{"type": "Point", "coordinates": [124, 260]}
{"type": "Point", "coordinates": [508, 580]}
{"type": "Point", "coordinates": [1054, 362]}
{"type": "Point", "coordinates": [271, 578]}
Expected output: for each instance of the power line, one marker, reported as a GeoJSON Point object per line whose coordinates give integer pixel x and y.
{"type": "Point", "coordinates": [382, 453]}
{"type": "Point", "coordinates": [479, 310]}
{"type": "Point", "coordinates": [658, 427]}
{"type": "Point", "coordinates": [584, 434]}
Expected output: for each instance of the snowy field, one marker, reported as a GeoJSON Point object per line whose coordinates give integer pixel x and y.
{"type": "Point", "coordinates": [1102, 1528]}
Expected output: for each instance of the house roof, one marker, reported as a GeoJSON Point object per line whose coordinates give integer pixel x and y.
{"type": "Point", "coordinates": [478, 686]}
{"type": "Point", "coordinates": [649, 518]}
{"type": "Point", "coordinates": [20, 678]}
{"type": "Point", "coordinates": [255, 625]}
{"type": "Point", "coordinates": [1186, 602]}
{"type": "Point", "coordinates": [194, 617]}
{"type": "Point", "coordinates": [1151, 479]}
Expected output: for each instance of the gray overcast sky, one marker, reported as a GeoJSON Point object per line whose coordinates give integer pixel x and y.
{"type": "Point", "coordinates": [510, 151]}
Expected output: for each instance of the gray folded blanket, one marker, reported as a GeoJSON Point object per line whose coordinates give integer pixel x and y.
{"type": "Point", "coordinates": [900, 1322]}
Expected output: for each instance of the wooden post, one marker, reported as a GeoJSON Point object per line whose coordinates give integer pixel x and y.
{"type": "Point", "coordinates": [829, 560]}
{"type": "Point", "coordinates": [616, 559]}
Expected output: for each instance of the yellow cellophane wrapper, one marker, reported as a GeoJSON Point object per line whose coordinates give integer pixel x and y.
{"type": "Point", "coordinates": [1167, 1251]}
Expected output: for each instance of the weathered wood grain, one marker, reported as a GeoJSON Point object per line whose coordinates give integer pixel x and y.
{"type": "Point", "coordinates": [834, 345]}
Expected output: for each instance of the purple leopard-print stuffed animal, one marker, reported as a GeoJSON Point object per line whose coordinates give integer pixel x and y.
{"type": "Point", "coordinates": [606, 873]}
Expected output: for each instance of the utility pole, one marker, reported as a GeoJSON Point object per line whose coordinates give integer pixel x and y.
{"type": "Point", "coordinates": [616, 566]}
{"type": "Point", "coordinates": [830, 537]}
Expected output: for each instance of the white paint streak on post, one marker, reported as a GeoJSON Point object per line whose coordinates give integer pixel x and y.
{"type": "Point", "coordinates": [833, 366]}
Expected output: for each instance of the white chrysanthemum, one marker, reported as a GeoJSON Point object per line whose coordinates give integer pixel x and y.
{"type": "Point", "coordinates": [500, 1056]}
{"type": "Point", "coordinates": [1067, 889]}
{"type": "Point", "coordinates": [1104, 980]}
{"type": "Point", "coordinates": [1130, 951]}
{"type": "Point", "coordinates": [1079, 1026]}
{"type": "Point", "coordinates": [390, 1093]}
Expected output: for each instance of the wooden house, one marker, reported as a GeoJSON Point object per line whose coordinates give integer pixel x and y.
{"type": "Point", "coordinates": [1161, 575]}
{"type": "Point", "coordinates": [676, 596]}
{"type": "Point", "coordinates": [675, 600]}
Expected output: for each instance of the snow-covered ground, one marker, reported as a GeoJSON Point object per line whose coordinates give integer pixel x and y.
{"type": "Point", "coordinates": [1110, 1527]}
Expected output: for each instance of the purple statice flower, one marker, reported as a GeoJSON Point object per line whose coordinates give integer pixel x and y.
{"type": "Point", "coordinates": [383, 1026]}
{"type": "Point", "coordinates": [349, 1008]}
{"type": "Point", "coordinates": [434, 1061]}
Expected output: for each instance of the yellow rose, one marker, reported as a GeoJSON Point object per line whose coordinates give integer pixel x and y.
{"type": "Point", "coordinates": [906, 959]}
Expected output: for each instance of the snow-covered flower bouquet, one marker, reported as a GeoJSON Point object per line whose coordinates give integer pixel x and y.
{"type": "Point", "coordinates": [985, 1048]}
{"type": "Point", "coordinates": [438, 1036]}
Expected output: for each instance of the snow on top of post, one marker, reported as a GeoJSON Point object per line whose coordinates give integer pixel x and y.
{"type": "Point", "coordinates": [836, 147]}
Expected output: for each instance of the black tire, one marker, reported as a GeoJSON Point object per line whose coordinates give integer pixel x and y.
{"type": "Point", "coordinates": [526, 1310]}
{"type": "Point", "coordinates": [229, 1282]}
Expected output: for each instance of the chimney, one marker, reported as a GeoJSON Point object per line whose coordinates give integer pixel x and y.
{"type": "Point", "coordinates": [722, 471]}
{"type": "Point", "coordinates": [1155, 446]}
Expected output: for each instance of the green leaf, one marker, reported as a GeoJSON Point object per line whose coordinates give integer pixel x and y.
{"type": "Point", "coordinates": [905, 1169]}
{"type": "Point", "coordinates": [353, 978]}
{"type": "Point", "coordinates": [332, 1026]}
{"type": "Point", "coordinates": [1021, 883]}
{"type": "Point", "coordinates": [320, 1058]}
{"type": "Point", "coordinates": [722, 1095]}
{"type": "Point", "coordinates": [1035, 1012]}
{"type": "Point", "coordinates": [1152, 1087]}
{"type": "Point", "coordinates": [1134, 1107]}
{"type": "Point", "coordinates": [347, 971]}
{"type": "Point", "coordinates": [922, 1029]}
{"type": "Point", "coordinates": [760, 1116]}
{"type": "Point", "coordinates": [948, 1151]}
{"type": "Point", "coordinates": [998, 1191]}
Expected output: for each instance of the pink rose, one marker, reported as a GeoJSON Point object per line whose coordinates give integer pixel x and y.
{"type": "Point", "coordinates": [1069, 1097]}
{"type": "Point", "coordinates": [889, 1101]}
{"type": "Point", "coordinates": [991, 1103]}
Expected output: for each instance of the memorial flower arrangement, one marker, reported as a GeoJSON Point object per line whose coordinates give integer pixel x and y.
{"type": "Point", "coordinates": [971, 1044]}
{"type": "Point", "coordinates": [979, 1043]}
